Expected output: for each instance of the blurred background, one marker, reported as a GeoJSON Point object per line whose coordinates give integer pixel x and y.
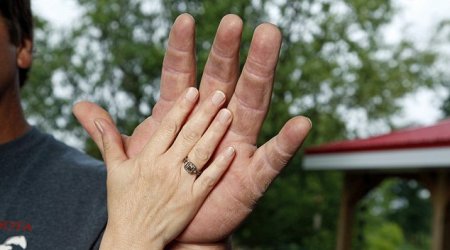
{"type": "Point", "coordinates": [357, 68]}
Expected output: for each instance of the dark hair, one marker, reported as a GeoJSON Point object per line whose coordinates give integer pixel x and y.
{"type": "Point", "coordinates": [19, 20]}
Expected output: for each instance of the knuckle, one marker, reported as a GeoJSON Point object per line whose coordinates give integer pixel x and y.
{"type": "Point", "coordinates": [275, 158]}
{"type": "Point", "coordinates": [207, 112]}
{"type": "Point", "coordinates": [107, 145]}
{"type": "Point", "coordinates": [280, 157]}
{"type": "Point", "coordinates": [201, 154]}
{"type": "Point", "coordinates": [143, 162]}
{"type": "Point", "coordinates": [207, 182]}
{"type": "Point", "coordinates": [278, 160]}
{"type": "Point", "coordinates": [170, 127]}
{"type": "Point", "coordinates": [190, 135]}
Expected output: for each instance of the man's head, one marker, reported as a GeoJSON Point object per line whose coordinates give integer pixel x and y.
{"type": "Point", "coordinates": [16, 35]}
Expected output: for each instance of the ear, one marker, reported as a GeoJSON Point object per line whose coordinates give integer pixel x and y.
{"type": "Point", "coordinates": [25, 54]}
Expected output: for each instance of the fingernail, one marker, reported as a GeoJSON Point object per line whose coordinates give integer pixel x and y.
{"type": "Point", "coordinates": [310, 122]}
{"type": "Point", "coordinates": [99, 126]}
{"type": "Point", "coordinates": [218, 97]}
{"type": "Point", "coordinates": [191, 94]}
{"type": "Point", "coordinates": [229, 152]}
{"type": "Point", "coordinates": [224, 116]}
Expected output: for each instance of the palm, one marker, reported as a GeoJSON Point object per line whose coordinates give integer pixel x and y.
{"type": "Point", "coordinates": [253, 169]}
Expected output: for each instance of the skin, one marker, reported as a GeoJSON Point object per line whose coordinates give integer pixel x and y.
{"type": "Point", "coordinates": [253, 168]}
{"type": "Point", "coordinates": [13, 123]}
{"type": "Point", "coordinates": [156, 176]}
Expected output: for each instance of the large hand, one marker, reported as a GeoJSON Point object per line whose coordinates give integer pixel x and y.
{"type": "Point", "coordinates": [253, 168]}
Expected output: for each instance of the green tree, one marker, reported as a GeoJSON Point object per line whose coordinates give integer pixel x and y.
{"type": "Point", "coordinates": [333, 61]}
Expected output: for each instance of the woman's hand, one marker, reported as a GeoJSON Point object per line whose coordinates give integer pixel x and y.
{"type": "Point", "coordinates": [152, 197]}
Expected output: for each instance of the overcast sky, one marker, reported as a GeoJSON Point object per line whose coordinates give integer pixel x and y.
{"type": "Point", "coordinates": [420, 15]}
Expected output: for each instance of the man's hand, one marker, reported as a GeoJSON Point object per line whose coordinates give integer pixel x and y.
{"type": "Point", "coordinates": [254, 168]}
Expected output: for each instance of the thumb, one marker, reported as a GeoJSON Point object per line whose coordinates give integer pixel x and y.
{"type": "Point", "coordinates": [271, 157]}
{"type": "Point", "coordinates": [86, 113]}
{"type": "Point", "coordinates": [113, 152]}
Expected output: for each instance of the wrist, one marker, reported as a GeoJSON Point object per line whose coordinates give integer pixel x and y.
{"type": "Point", "coordinates": [118, 240]}
{"type": "Point", "coordinates": [222, 245]}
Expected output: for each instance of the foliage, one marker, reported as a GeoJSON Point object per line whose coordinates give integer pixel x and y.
{"type": "Point", "coordinates": [334, 62]}
{"type": "Point", "coordinates": [388, 236]}
{"type": "Point", "coordinates": [44, 104]}
{"type": "Point", "coordinates": [396, 215]}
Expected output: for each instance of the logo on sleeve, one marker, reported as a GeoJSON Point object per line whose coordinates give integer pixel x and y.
{"type": "Point", "coordinates": [17, 241]}
{"type": "Point", "coordinates": [12, 227]}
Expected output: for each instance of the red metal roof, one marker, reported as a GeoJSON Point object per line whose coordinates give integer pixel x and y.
{"type": "Point", "coordinates": [437, 135]}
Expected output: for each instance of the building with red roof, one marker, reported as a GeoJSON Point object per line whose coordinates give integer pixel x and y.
{"type": "Point", "coordinates": [420, 153]}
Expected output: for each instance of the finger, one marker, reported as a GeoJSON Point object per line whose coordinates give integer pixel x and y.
{"type": "Point", "coordinates": [271, 157]}
{"type": "Point", "coordinates": [193, 130]}
{"type": "Point", "coordinates": [178, 73]}
{"type": "Point", "coordinates": [211, 175]}
{"type": "Point", "coordinates": [251, 99]}
{"type": "Point", "coordinates": [113, 152]}
{"type": "Point", "coordinates": [222, 67]}
{"type": "Point", "coordinates": [179, 66]}
{"type": "Point", "coordinates": [172, 123]}
{"type": "Point", "coordinates": [86, 113]}
{"type": "Point", "coordinates": [205, 147]}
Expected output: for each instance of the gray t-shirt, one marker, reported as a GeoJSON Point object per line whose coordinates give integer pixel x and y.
{"type": "Point", "coordinates": [51, 195]}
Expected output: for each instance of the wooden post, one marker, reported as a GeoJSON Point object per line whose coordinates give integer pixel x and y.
{"type": "Point", "coordinates": [446, 244]}
{"type": "Point", "coordinates": [346, 213]}
{"type": "Point", "coordinates": [356, 186]}
{"type": "Point", "coordinates": [440, 201]}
